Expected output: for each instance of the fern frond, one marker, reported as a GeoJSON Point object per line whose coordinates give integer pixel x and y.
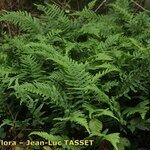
{"type": "Point", "coordinates": [23, 19]}
{"type": "Point", "coordinates": [141, 108]}
{"type": "Point", "coordinates": [45, 90]}
{"type": "Point", "coordinates": [86, 14]}
{"type": "Point", "coordinates": [5, 71]}
{"type": "Point", "coordinates": [75, 75]}
{"type": "Point", "coordinates": [53, 12]}
{"type": "Point", "coordinates": [122, 9]}
{"type": "Point", "coordinates": [96, 112]}
{"type": "Point", "coordinates": [77, 117]}
{"type": "Point", "coordinates": [108, 85]}
{"type": "Point", "coordinates": [30, 66]}
{"type": "Point", "coordinates": [113, 138]}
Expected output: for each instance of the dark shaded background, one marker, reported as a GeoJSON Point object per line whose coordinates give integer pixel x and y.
{"type": "Point", "coordinates": [75, 4]}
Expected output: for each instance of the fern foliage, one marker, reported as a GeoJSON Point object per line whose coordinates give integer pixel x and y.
{"type": "Point", "coordinates": [80, 75]}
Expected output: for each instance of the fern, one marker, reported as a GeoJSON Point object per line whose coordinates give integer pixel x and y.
{"type": "Point", "coordinates": [56, 138]}
{"type": "Point", "coordinates": [30, 66]}
{"type": "Point", "coordinates": [78, 75]}
{"type": "Point", "coordinates": [54, 12]}
{"type": "Point", "coordinates": [98, 112]}
{"type": "Point", "coordinates": [45, 90]}
{"type": "Point", "coordinates": [122, 8]}
{"type": "Point", "coordinates": [22, 19]}
{"type": "Point", "coordinates": [6, 71]}
{"type": "Point", "coordinates": [113, 139]}
{"type": "Point", "coordinates": [77, 117]}
{"type": "Point", "coordinates": [140, 108]}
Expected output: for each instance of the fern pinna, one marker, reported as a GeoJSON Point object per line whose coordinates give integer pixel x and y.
{"type": "Point", "coordinates": [78, 76]}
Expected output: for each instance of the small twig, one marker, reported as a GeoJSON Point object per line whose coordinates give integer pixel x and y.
{"type": "Point", "coordinates": [139, 6]}
{"type": "Point", "coordinates": [100, 5]}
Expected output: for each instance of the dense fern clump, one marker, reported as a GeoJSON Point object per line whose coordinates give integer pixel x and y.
{"type": "Point", "coordinates": [79, 75]}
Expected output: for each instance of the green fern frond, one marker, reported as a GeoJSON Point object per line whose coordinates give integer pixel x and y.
{"type": "Point", "coordinates": [141, 108]}
{"type": "Point", "coordinates": [92, 4]}
{"type": "Point", "coordinates": [122, 8]}
{"type": "Point", "coordinates": [96, 112]}
{"type": "Point", "coordinates": [76, 117]}
{"type": "Point", "coordinates": [54, 12]}
{"type": "Point", "coordinates": [109, 42]}
{"type": "Point", "coordinates": [45, 90]}
{"type": "Point", "coordinates": [74, 73]}
{"type": "Point", "coordinates": [23, 19]}
{"type": "Point", "coordinates": [100, 74]}
{"type": "Point", "coordinates": [113, 138]}
{"type": "Point", "coordinates": [86, 14]}
{"type": "Point", "coordinates": [51, 11]}
{"type": "Point", "coordinates": [5, 71]}
{"type": "Point", "coordinates": [100, 57]}
{"type": "Point", "coordinates": [48, 52]}
{"type": "Point", "coordinates": [95, 126]}
{"type": "Point", "coordinates": [108, 85]}
{"type": "Point", "coordinates": [106, 68]}
{"type": "Point", "coordinates": [30, 66]}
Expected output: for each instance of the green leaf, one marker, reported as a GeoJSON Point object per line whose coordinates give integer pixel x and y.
{"type": "Point", "coordinates": [95, 126]}
{"type": "Point", "coordinates": [141, 108]}
{"type": "Point", "coordinates": [101, 56]}
{"type": "Point", "coordinates": [105, 112]}
{"type": "Point", "coordinates": [77, 117]}
{"type": "Point", "coordinates": [92, 4]}
{"type": "Point", "coordinates": [113, 138]}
